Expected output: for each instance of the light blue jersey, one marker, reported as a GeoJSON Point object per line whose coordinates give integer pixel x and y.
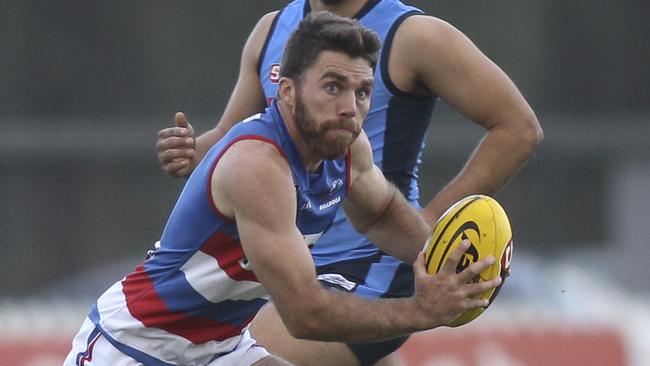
{"type": "Point", "coordinates": [396, 126]}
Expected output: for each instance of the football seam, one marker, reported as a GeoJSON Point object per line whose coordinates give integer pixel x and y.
{"type": "Point", "coordinates": [433, 249]}
{"type": "Point", "coordinates": [461, 230]}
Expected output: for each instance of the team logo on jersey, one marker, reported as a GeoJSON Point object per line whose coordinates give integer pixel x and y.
{"type": "Point", "coordinates": [336, 185]}
{"type": "Point", "coordinates": [274, 74]}
{"type": "Point", "coordinates": [151, 253]}
{"type": "Point", "coordinates": [330, 203]}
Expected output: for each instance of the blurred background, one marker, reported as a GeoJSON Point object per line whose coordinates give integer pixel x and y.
{"type": "Point", "coordinates": [85, 86]}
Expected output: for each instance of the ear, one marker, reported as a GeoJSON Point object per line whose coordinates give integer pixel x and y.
{"type": "Point", "coordinates": [287, 91]}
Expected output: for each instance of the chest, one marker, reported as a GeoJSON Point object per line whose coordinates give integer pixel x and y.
{"type": "Point", "coordinates": [318, 198]}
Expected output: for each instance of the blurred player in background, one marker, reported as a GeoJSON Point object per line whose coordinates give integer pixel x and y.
{"type": "Point", "coordinates": [242, 225]}
{"type": "Point", "coordinates": [422, 58]}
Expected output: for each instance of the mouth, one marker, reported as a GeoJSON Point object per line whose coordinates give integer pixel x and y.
{"type": "Point", "coordinates": [340, 132]}
{"type": "Point", "coordinates": [343, 126]}
{"type": "Point", "coordinates": [341, 129]}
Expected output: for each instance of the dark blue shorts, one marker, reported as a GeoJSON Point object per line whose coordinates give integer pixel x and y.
{"type": "Point", "coordinates": [376, 276]}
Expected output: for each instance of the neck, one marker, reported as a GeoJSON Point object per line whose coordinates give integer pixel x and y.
{"type": "Point", "coordinates": [347, 8]}
{"type": "Point", "coordinates": [311, 160]}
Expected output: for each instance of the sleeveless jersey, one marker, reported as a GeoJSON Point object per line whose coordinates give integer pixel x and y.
{"type": "Point", "coordinates": [190, 299]}
{"type": "Point", "coordinates": [396, 123]}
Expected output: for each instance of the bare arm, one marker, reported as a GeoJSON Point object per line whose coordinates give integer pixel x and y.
{"type": "Point", "coordinates": [378, 210]}
{"type": "Point", "coordinates": [248, 97]}
{"type": "Point", "coordinates": [253, 184]}
{"type": "Point", "coordinates": [178, 152]}
{"type": "Point", "coordinates": [440, 59]}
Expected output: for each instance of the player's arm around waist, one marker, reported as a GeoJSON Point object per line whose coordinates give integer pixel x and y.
{"type": "Point", "coordinates": [252, 183]}
{"type": "Point", "coordinates": [378, 210]}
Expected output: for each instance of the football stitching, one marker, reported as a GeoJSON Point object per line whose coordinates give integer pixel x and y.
{"type": "Point", "coordinates": [433, 249]}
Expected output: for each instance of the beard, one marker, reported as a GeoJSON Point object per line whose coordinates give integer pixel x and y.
{"type": "Point", "coordinates": [325, 140]}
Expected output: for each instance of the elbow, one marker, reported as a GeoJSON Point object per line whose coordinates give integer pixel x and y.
{"type": "Point", "coordinates": [301, 331]}
{"type": "Point", "coordinates": [530, 134]}
{"type": "Point", "coordinates": [305, 322]}
{"type": "Point", "coordinates": [303, 326]}
{"type": "Point", "coordinates": [535, 132]}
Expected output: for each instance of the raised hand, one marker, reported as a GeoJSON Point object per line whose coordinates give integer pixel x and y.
{"type": "Point", "coordinates": [176, 147]}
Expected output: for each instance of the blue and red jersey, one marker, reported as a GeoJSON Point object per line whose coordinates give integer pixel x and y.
{"type": "Point", "coordinates": [195, 292]}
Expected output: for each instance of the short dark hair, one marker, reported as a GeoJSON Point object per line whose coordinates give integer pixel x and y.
{"type": "Point", "coordinates": [323, 31]}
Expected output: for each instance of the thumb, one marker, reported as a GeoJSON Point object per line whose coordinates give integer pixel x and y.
{"type": "Point", "coordinates": [419, 265]}
{"type": "Point", "coordinates": [180, 119]}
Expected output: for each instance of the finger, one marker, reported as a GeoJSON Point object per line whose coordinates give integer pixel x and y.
{"type": "Point", "coordinates": [175, 143]}
{"type": "Point", "coordinates": [173, 132]}
{"type": "Point", "coordinates": [167, 156]}
{"type": "Point", "coordinates": [178, 168]}
{"type": "Point", "coordinates": [482, 286]}
{"type": "Point", "coordinates": [454, 258]}
{"type": "Point", "coordinates": [476, 268]}
{"type": "Point", "coordinates": [419, 265]}
{"type": "Point", "coordinates": [470, 303]}
{"type": "Point", "coordinates": [180, 119]}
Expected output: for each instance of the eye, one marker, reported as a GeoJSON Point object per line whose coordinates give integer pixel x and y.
{"type": "Point", "coordinates": [332, 88]}
{"type": "Point", "coordinates": [362, 94]}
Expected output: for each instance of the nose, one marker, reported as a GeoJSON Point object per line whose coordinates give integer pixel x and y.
{"type": "Point", "coordinates": [348, 105]}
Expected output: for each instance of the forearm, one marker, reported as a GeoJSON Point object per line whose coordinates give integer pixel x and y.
{"type": "Point", "coordinates": [349, 318]}
{"type": "Point", "coordinates": [400, 231]}
{"type": "Point", "coordinates": [498, 157]}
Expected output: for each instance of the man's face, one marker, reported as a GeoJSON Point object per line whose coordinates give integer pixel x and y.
{"type": "Point", "coordinates": [332, 101]}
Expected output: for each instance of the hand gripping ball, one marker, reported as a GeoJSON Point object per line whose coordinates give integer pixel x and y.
{"type": "Point", "coordinates": [482, 220]}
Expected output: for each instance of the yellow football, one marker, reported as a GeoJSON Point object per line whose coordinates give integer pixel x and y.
{"type": "Point", "coordinates": [482, 220]}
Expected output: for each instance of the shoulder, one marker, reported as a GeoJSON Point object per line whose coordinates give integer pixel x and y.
{"type": "Point", "coordinates": [267, 20]}
{"type": "Point", "coordinates": [428, 47]}
{"type": "Point", "coordinates": [425, 31]}
{"type": "Point", "coordinates": [252, 155]}
{"type": "Point", "coordinates": [264, 24]}
{"type": "Point", "coordinates": [246, 166]}
{"type": "Point", "coordinates": [259, 34]}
